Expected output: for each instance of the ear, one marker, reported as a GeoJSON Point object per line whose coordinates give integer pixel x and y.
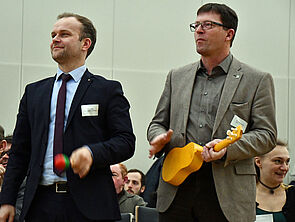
{"type": "Point", "coordinates": [125, 179]}
{"type": "Point", "coordinates": [257, 161]}
{"type": "Point", "coordinates": [230, 34]}
{"type": "Point", "coordinates": [142, 189]}
{"type": "Point", "coordinates": [86, 44]}
{"type": "Point", "coordinates": [3, 145]}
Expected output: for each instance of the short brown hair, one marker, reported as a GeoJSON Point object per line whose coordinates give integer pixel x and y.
{"type": "Point", "coordinates": [123, 169]}
{"type": "Point", "coordinates": [142, 179]}
{"type": "Point", "coordinates": [8, 138]}
{"type": "Point", "coordinates": [228, 16]}
{"type": "Point", "coordinates": [87, 31]}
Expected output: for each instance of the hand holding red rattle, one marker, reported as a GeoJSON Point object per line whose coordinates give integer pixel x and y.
{"type": "Point", "coordinates": [61, 162]}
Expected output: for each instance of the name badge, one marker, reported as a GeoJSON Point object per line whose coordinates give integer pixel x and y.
{"type": "Point", "coordinates": [264, 218]}
{"type": "Point", "coordinates": [89, 110]}
{"type": "Point", "coordinates": [239, 121]}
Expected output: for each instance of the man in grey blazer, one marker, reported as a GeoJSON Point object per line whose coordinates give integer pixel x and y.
{"type": "Point", "coordinates": [200, 102]}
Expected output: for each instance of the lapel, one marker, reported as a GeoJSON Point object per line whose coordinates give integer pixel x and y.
{"type": "Point", "coordinates": [45, 104]}
{"type": "Point", "coordinates": [82, 88]}
{"type": "Point", "coordinates": [188, 86]}
{"type": "Point", "coordinates": [230, 86]}
{"type": "Point", "coordinates": [46, 99]}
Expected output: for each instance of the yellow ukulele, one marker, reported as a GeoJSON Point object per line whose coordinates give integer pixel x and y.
{"type": "Point", "coordinates": [182, 161]}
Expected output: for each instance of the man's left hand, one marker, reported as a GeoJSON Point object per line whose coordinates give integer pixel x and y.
{"type": "Point", "coordinates": [209, 154]}
{"type": "Point", "coordinates": [81, 161]}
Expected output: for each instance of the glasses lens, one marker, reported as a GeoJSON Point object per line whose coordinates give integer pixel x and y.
{"type": "Point", "coordinates": [207, 25]}
{"type": "Point", "coordinates": [192, 27]}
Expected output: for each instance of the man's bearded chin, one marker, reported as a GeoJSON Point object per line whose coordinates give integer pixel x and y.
{"type": "Point", "coordinates": [130, 191]}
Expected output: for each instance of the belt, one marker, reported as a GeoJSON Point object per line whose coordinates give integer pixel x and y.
{"type": "Point", "coordinates": [58, 187]}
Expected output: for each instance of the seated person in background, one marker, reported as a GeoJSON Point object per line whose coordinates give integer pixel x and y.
{"type": "Point", "coordinates": [4, 148]}
{"type": "Point", "coordinates": [2, 145]}
{"type": "Point", "coordinates": [4, 156]}
{"type": "Point", "coordinates": [272, 196]}
{"type": "Point", "coordinates": [135, 183]}
{"type": "Point", "coordinates": [1, 133]}
{"type": "Point", "coordinates": [4, 151]}
{"type": "Point", "coordinates": [127, 201]}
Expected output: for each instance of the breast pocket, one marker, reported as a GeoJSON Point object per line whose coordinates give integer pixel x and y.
{"type": "Point", "coordinates": [242, 110]}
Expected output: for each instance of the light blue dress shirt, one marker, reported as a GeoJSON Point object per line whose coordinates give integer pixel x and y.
{"type": "Point", "coordinates": [48, 176]}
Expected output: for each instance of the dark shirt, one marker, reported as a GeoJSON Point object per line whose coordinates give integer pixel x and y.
{"type": "Point", "coordinates": [288, 212]}
{"type": "Point", "coordinates": [277, 216]}
{"type": "Point", "coordinates": [205, 100]}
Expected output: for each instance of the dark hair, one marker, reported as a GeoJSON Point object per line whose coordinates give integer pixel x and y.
{"type": "Point", "coordinates": [142, 180]}
{"type": "Point", "coordinates": [8, 138]}
{"type": "Point", "coordinates": [87, 31]}
{"type": "Point", "coordinates": [1, 133]}
{"type": "Point", "coordinates": [228, 16]}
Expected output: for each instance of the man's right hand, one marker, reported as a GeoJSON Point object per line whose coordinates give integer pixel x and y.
{"type": "Point", "coordinates": [159, 142]}
{"type": "Point", "coordinates": [7, 213]}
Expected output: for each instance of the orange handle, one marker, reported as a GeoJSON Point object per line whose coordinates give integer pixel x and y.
{"type": "Point", "coordinates": [222, 144]}
{"type": "Point", "coordinates": [232, 136]}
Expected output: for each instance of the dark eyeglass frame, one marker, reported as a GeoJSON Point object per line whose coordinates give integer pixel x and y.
{"type": "Point", "coordinates": [195, 25]}
{"type": "Point", "coordinates": [5, 152]}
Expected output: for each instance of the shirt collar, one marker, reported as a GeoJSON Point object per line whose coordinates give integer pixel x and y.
{"type": "Point", "coordinates": [76, 73]}
{"type": "Point", "coordinates": [224, 65]}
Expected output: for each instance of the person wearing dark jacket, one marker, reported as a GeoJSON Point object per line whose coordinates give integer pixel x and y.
{"type": "Point", "coordinates": [79, 114]}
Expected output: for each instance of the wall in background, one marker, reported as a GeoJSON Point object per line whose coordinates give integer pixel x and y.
{"type": "Point", "coordinates": [138, 43]}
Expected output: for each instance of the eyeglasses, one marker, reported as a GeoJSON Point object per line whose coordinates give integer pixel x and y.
{"type": "Point", "coordinates": [205, 25]}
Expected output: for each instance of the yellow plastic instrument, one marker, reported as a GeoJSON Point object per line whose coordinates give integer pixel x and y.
{"type": "Point", "coordinates": [182, 161]}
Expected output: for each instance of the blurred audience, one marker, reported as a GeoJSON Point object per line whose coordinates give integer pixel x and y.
{"type": "Point", "coordinates": [4, 153]}
{"type": "Point", "coordinates": [127, 201]}
{"type": "Point", "coordinates": [136, 182]}
{"type": "Point", "coordinates": [272, 196]}
{"type": "Point", "coordinates": [4, 148]}
{"type": "Point", "coordinates": [5, 145]}
{"type": "Point", "coordinates": [1, 133]}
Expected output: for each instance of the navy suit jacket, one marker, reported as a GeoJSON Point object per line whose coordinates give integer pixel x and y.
{"type": "Point", "coordinates": [109, 136]}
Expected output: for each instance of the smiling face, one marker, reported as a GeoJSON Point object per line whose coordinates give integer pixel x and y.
{"type": "Point", "coordinates": [213, 41]}
{"type": "Point", "coordinates": [66, 46]}
{"type": "Point", "coordinates": [273, 166]}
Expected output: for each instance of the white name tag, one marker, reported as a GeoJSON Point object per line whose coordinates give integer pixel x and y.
{"type": "Point", "coordinates": [238, 121]}
{"type": "Point", "coordinates": [89, 110]}
{"type": "Point", "coordinates": [264, 218]}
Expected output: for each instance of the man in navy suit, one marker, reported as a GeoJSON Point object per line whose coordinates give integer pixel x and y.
{"type": "Point", "coordinates": [97, 132]}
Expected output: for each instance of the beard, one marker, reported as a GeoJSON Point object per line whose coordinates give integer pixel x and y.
{"type": "Point", "coordinates": [59, 55]}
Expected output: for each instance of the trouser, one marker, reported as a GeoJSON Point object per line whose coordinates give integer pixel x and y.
{"type": "Point", "coordinates": [49, 206]}
{"type": "Point", "coordinates": [196, 200]}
